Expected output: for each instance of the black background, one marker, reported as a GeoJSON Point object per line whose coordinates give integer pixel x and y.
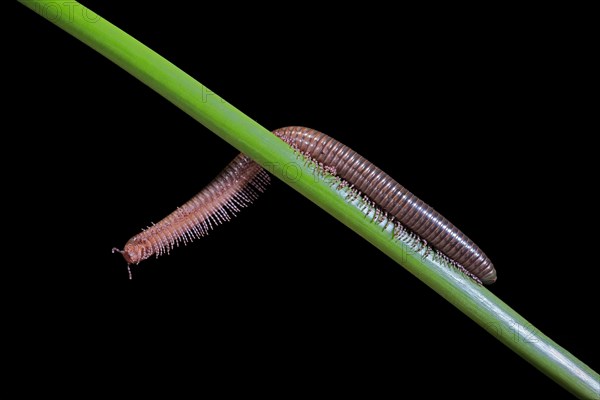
{"type": "Point", "coordinates": [480, 117]}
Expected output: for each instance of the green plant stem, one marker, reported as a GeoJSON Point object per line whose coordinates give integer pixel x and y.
{"type": "Point", "coordinates": [249, 137]}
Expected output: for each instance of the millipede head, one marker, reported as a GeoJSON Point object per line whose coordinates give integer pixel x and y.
{"type": "Point", "coordinates": [132, 254]}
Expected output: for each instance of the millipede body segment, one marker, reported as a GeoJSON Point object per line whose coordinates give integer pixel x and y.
{"type": "Point", "coordinates": [243, 179]}
{"type": "Point", "coordinates": [237, 186]}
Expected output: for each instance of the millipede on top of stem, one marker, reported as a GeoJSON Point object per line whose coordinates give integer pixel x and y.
{"type": "Point", "coordinates": [243, 180]}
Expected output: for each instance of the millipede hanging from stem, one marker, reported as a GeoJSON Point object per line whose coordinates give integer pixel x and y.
{"type": "Point", "coordinates": [242, 180]}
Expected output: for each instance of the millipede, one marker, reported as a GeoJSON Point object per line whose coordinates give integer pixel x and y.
{"type": "Point", "coordinates": [242, 181]}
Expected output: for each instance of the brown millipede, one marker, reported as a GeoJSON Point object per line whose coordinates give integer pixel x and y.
{"type": "Point", "coordinates": [243, 179]}
{"type": "Point", "coordinates": [234, 188]}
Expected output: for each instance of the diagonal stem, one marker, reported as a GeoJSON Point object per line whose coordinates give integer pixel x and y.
{"type": "Point", "coordinates": [249, 137]}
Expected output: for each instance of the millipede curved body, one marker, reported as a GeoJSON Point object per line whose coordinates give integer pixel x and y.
{"type": "Point", "coordinates": [243, 179]}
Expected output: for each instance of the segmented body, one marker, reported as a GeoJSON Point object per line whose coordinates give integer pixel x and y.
{"type": "Point", "coordinates": [242, 180]}
{"type": "Point", "coordinates": [392, 198]}
{"type": "Point", "coordinates": [237, 186]}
